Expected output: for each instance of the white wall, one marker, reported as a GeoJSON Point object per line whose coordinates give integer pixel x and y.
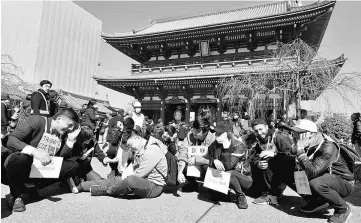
{"type": "Point", "coordinates": [54, 40]}
{"type": "Point", "coordinates": [20, 26]}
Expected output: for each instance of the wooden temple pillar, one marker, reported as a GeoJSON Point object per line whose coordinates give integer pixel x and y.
{"type": "Point", "coordinates": [187, 95]}
{"type": "Point", "coordinates": [188, 110]}
{"type": "Point", "coordinates": [219, 109]}
{"type": "Point", "coordinates": [163, 96]}
{"type": "Point", "coordinates": [162, 110]}
{"type": "Point", "coordinates": [219, 104]}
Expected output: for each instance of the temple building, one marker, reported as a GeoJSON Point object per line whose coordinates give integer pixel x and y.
{"type": "Point", "coordinates": [181, 60]}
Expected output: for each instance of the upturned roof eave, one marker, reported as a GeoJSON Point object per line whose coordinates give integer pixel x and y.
{"type": "Point", "coordinates": [124, 36]}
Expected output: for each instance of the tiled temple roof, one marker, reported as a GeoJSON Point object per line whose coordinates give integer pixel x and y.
{"type": "Point", "coordinates": [219, 18]}
{"type": "Point", "coordinates": [76, 102]}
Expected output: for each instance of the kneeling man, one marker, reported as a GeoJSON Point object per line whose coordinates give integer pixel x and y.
{"type": "Point", "coordinates": [23, 145]}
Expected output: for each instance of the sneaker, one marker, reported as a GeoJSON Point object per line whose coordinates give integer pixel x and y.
{"type": "Point", "coordinates": [340, 217]}
{"type": "Point", "coordinates": [19, 205]}
{"type": "Point", "coordinates": [98, 190]}
{"type": "Point", "coordinates": [266, 198]}
{"type": "Point", "coordinates": [241, 201]}
{"type": "Point", "coordinates": [314, 206]}
{"type": "Point", "coordinates": [72, 186]}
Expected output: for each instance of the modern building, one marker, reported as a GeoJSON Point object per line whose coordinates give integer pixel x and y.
{"type": "Point", "coordinates": [54, 40]}
{"type": "Point", "coordinates": [181, 60]}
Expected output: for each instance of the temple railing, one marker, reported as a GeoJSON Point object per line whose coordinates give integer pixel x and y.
{"type": "Point", "coordinates": [183, 67]}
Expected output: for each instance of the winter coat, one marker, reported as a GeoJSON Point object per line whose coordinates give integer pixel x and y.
{"type": "Point", "coordinates": [356, 133]}
{"type": "Point", "coordinates": [89, 119]}
{"type": "Point", "coordinates": [38, 105]}
{"type": "Point", "coordinates": [322, 160]}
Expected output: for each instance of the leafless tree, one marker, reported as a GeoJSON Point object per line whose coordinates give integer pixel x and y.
{"type": "Point", "coordinates": [11, 80]}
{"type": "Point", "coordinates": [297, 71]}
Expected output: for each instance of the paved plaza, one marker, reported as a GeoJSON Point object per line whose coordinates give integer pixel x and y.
{"type": "Point", "coordinates": [184, 207]}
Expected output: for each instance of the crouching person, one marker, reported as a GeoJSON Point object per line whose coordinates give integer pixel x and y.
{"type": "Point", "coordinates": [22, 145]}
{"type": "Point", "coordinates": [327, 166]}
{"type": "Point", "coordinates": [228, 154]}
{"type": "Point", "coordinates": [148, 179]}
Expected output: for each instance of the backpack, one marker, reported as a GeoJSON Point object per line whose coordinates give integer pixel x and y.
{"type": "Point", "coordinates": [171, 179]}
{"type": "Point", "coordinates": [351, 157]}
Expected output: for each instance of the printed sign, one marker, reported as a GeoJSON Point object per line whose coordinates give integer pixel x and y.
{"type": "Point", "coordinates": [217, 180]}
{"type": "Point", "coordinates": [51, 170]}
{"type": "Point", "coordinates": [195, 171]}
{"type": "Point", "coordinates": [204, 45]}
{"type": "Point", "coordinates": [49, 143]}
{"type": "Point", "coordinates": [192, 116]}
{"type": "Point", "coordinates": [302, 185]}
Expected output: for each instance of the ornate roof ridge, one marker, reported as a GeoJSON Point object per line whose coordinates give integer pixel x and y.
{"type": "Point", "coordinates": [183, 17]}
{"type": "Point", "coordinates": [162, 25]}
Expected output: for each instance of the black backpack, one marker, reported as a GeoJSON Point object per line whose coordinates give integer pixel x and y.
{"type": "Point", "coordinates": [351, 157]}
{"type": "Point", "coordinates": [349, 154]}
{"type": "Point", "coordinates": [171, 179]}
{"type": "Point", "coordinates": [172, 173]}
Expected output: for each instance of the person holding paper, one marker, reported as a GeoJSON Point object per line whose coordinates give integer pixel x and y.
{"type": "Point", "coordinates": [225, 154]}
{"type": "Point", "coordinates": [23, 144]}
{"type": "Point", "coordinates": [147, 180]}
{"type": "Point", "coordinates": [325, 164]}
{"type": "Point", "coordinates": [200, 135]}
{"type": "Point", "coordinates": [85, 148]}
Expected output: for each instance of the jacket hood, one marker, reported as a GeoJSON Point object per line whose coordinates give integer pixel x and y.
{"type": "Point", "coordinates": [152, 141]}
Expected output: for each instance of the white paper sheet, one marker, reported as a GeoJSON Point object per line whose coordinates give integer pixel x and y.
{"type": "Point", "coordinates": [51, 170]}
{"type": "Point", "coordinates": [217, 180]}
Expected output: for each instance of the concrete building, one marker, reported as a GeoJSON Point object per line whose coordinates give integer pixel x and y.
{"type": "Point", "coordinates": [54, 40]}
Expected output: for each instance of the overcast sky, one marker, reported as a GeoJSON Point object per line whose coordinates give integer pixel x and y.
{"type": "Point", "coordinates": [343, 34]}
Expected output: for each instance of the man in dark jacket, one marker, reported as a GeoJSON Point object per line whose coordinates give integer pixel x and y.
{"type": "Point", "coordinates": [112, 123]}
{"type": "Point", "coordinates": [90, 117]}
{"type": "Point", "coordinates": [328, 173]}
{"type": "Point", "coordinates": [224, 154]}
{"type": "Point", "coordinates": [22, 145]}
{"type": "Point", "coordinates": [5, 100]}
{"type": "Point", "coordinates": [40, 104]}
{"type": "Point", "coordinates": [275, 145]}
{"type": "Point", "coordinates": [330, 179]}
{"type": "Point", "coordinates": [53, 104]}
{"type": "Point", "coordinates": [356, 133]}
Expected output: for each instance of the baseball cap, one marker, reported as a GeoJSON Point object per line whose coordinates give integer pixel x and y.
{"type": "Point", "coordinates": [304, 125]}
{"type": "Point", "coordinates": [137, 104]}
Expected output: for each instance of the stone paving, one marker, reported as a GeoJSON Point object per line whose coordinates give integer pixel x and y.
{"type": "Point", "coordinates": [61, 206]}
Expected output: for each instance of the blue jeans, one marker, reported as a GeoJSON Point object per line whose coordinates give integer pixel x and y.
{"type": "Point", "coordinates": [332, 189]}
{"type": "Point", "coordinates": [116, 186]}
